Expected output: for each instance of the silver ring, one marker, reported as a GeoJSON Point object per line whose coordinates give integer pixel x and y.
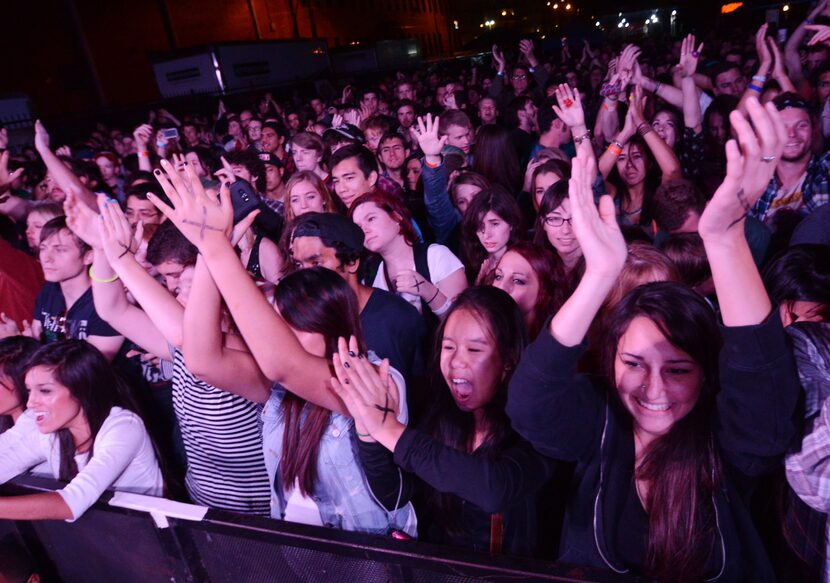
{"type": "Point", "coordinates": [767, 159]}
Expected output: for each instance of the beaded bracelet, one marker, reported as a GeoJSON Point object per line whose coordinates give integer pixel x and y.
{"type": "Point", "coordinates": [96, 280]}
{"type": "Point", "coordinates": [644, 128]}
{"type": "Point", "coordinates": [583, 137]}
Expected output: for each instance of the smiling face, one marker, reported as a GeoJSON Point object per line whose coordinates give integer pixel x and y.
{"type": "Point", "coordinates": [378, 226]}
{"type": "Point", "coordinates": [631, 165]}
{"type": "Point", "coordinates": [658, 383]}
{"type": "Point", "coordinates": [52, 404]}
{"type": "Point", "coordinates": [665, 126]}
{"type": "Point", "coordinates": [515, 276]}
{"type": "Point", "coordinates": [470, 362]}
{"type": "Point", "coordinates": [493, 233]}
{"type": "Point", "coordinates": [799, 134]}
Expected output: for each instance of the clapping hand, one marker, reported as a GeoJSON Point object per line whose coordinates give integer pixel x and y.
{"type": "Point", "coordinates": [498, 57]}
{"type": "Point", "coordinates": [596, 229]}
{"type": "Point", "coordinates": [6, 177]}
{"type": "Point", "coordinates": [689, 55]}
{"type": "Point", "coordinates": [82, 220]}
{"type": "Point", "coordinates": [368, 393]}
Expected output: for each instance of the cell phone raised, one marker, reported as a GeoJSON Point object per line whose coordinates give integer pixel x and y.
{"type": "Point", "coordinates": [243, 198]}
{"type": "Point", "coordinates": [170, 133]}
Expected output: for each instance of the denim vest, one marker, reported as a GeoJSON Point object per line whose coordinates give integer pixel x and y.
{"type": "Point", "coordinates": [341, 493]}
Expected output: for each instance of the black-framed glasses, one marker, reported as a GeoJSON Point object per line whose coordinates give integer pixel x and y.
{"type": "Point", "coordinates": [518, 77]}
{"type": "Point", "coordinates": [555, 221]}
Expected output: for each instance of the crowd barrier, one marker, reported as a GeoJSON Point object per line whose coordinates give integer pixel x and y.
{"type": "Point", "coordinates": [129, 538]}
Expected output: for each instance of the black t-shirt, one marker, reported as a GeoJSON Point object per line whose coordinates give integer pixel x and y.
{"type": "Point", "coordinates": [394, 329]}
{"type": "Point", "coordinates": [78, 322]}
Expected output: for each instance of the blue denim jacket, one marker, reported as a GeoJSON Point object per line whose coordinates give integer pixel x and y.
{"type": "Point", "coordinates": [341, 493]}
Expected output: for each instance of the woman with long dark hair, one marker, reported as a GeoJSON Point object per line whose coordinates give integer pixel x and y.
{"type": "Point", "coordinates": [278, 353]}
{"type": "Point", "coordinates": [636, 162]}
{"type": "Point", "coordinates": [479, 479]}
{"type": "Point", "coordinates": [491, 224]}
{"type": "Point", "coordinates": [496, 158]}
{"type": "Point", "coordinates": [534, 279]}
{"type": "Point", "coordinates": [668, 448]}
{"type": "Point", "coordinates": [14, 354]}
{"type": "Point", "coordinates": [314, 474]}
{"type": "Point", "coordinates": [79, 421]}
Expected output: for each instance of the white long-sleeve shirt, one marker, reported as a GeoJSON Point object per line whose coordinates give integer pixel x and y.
{"type": "Point", "coordinates": [122, 459]}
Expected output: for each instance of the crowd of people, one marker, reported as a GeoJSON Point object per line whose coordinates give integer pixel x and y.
{"type": "Point", "coordinates": [571, 306]}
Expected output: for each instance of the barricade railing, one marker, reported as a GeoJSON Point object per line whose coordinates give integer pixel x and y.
{"type": "Point", "coordinates": [126, 538]}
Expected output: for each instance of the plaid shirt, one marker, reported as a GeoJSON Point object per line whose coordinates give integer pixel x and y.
{"type": "Point", "coordinates": [815, 190]}
{"type": "Point", "coordinates": [808, 471]}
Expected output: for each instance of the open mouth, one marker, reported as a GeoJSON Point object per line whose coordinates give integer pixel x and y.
{"type": "Point", "coordinates": [462, 389]}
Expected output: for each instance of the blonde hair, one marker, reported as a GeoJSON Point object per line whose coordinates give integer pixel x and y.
{"type": "Point", "coordinates": [319, 186]}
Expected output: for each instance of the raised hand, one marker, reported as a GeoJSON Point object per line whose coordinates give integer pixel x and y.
{"type": "Point", "coordinates": [336, 120]}
{"type": "Point", "coordinates": [637, 106]}
{"type": "Point", "coordinates": [426, 133]}
{"type": "Point", "coordinates": [625, 64]}
{"type": "Point", "coordinates": [225, 173]}
{"type": "Point", "coordinates": [526, 48]}
{"type": "Point", "coordinates": [822, 34]}
{"type": "Point", "coordinates": [498, 57]}
{"type": "Point", "coordinates": [114, 231]}
{"type": "Point", "coordinates": [82, 220]}
{"type": "Point", "coordinates": [689, 56]}
{"type": "Point", "coordinates": [4, 138]}
{"type": "Point", "coordinates": [202, 218]}
{"type": "Point", "coordinates": [596, 229]}
{"type": "Point", "coordinates": [369, 394]}
{"type": "Point", "coordinates": [8, 327]}
{"type": "Point", "coordinates": [41, 137]}
{"type": "Point", "coordinates": [749, 168]}
{"type": "Point", "coordinates": [569, 108]}
{"type": "Point", "coordinates": [6, 177]}
{"type": "Point", "coordinates": [352, 116]}
{"type": "Point", "coordinates": [762, 49]}
{"type": "Point", "coordinates": [142, 135]}
{"type": "Point", "coordinates": [179, 162]}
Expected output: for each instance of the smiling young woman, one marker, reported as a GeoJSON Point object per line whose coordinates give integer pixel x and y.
{"type": "Point", "coordinates": [88, 437]}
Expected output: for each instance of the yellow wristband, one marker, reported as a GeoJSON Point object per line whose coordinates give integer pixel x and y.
{"type": "Point", "coordinates": [96, 280]}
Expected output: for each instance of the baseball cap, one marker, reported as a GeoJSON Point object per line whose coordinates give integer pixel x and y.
{"type": "Point", "coordinates": [269, 158]}
{"type": "Point", "coordinates": [789, 99]}
{"type": "Point", "coordinates": [348, 131]}
{"type": "Point", "coordinates": [329, 227]}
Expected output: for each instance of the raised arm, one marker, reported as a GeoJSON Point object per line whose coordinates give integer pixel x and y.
{"type": "Point", "coordinates": [205, 353]}
{"type": "Point", "coordinates": [689, 55]}
{"type": "Point", "coordinates": [62, 175]}
{"type": "Point", "coordinates": [741, 294]}
{"type": "Point", "coordinates": [666, 158]}
{"type": "Point", "coordinates": [206, 222]}
{"type": "Point", "coordinates": [108, 293]}
{"type": "Point", "coordinates": [791, 56]}
{"type": "Point", "coordinates": [142, 135]}
{"type": "Point", "coordinates": [603, 247]}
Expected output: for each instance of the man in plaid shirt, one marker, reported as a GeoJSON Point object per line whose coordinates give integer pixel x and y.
{"type": "Point", "coordinates": [801, 182]}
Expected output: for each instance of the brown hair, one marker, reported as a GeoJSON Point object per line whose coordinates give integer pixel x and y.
{"type": "Point", "coordinates": [309, 141]}
{"type": "Point", "coordinates": [394, 207]}
{"type": "Point", "coordinates": [674, 201]}
{"type": "Point", "coordinates": [644, 264]}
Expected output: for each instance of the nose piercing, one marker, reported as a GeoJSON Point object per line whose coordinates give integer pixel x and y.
{"type": "Point", "coordinates": [643, 386]}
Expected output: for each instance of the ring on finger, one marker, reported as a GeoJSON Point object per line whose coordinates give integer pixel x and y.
{"type": "Point", "coordinates": [768, 159]}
